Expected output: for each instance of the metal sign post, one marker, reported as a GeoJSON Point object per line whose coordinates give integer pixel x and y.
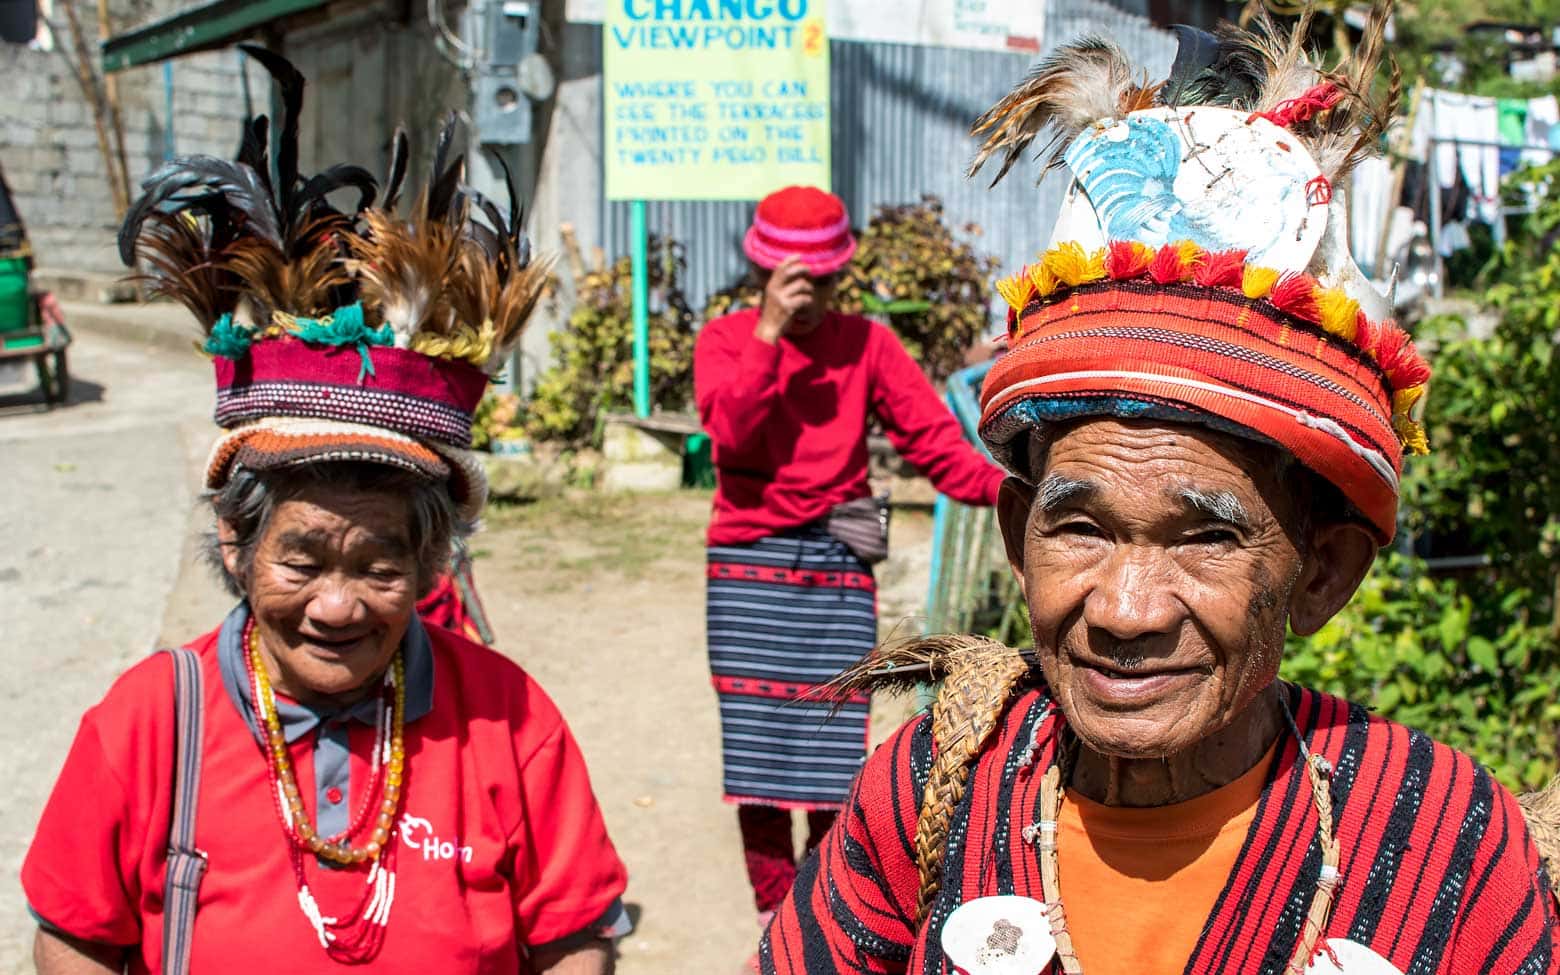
{"type": "Point", "coordinates": [641, 273]}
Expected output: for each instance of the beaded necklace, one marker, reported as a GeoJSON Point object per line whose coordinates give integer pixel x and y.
{"type": "Point", "coordinates": [1043, 833]}
{"type": "Point", "coordinates": [358, 938]}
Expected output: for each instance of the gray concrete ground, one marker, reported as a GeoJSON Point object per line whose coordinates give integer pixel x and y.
{"type": "Point", "coordinates": [94, 500]}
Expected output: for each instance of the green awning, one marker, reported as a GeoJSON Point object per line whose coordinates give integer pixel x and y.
{"type": "Point", "coordinates": [197, 28]}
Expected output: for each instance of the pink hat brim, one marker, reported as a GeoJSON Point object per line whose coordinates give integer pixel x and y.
{"type": "Point", "coordinates": [818, 263]}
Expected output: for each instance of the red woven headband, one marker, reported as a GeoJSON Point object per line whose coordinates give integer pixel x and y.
{"type": "Point", "coordinates": [1181, 330]}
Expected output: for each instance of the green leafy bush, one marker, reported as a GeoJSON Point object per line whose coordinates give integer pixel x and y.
{"type": "Point", "coordinates": [912, 272]}
{"type": "Point", "coordinates": [593, 370]}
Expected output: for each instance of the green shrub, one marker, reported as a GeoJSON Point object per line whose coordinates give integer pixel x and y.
{"type": "Point", "coordinates": [593, 370]}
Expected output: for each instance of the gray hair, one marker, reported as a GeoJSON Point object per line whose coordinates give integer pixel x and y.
{"type": "Point", "coordinates": [247, 501]}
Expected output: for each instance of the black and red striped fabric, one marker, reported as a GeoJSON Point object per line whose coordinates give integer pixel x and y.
{"type": "Point", "coordinates": [1438, 872]}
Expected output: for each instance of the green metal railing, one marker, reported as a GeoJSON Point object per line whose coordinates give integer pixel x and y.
{"type": "Point", "coordinates": [971, 589]}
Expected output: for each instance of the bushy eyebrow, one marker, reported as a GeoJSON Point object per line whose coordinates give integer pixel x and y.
{"type": "Point", "coordinates": [1057, 490]}
{"type": "Point", "coordinates": [1218, 505]}
{"type": "Point", "coordinates": [308, 540]}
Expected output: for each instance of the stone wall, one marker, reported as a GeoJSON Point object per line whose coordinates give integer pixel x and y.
{"type": "Point", "coordinates": [49, 149]}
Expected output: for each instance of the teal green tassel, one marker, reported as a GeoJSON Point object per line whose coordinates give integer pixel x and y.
{"type": "Point", "coordinates": [228, 339]}
{"type": "Point", "coordinates": [347, 327]}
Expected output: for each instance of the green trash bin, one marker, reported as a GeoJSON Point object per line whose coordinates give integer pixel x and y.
{"type": "Point", "coordinates": [15, 305]}
{"type": "Point", "coordinates": [698, 468]}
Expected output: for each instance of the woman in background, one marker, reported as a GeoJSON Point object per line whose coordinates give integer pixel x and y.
{"type": "Point", "coordinates": [786, 392]}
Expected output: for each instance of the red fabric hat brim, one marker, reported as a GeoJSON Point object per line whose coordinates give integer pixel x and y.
{"type": "Point", "coordinates": [1206, 351]}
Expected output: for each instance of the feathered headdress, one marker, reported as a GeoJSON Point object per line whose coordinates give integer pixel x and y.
{"type": "Point", "coordinates": [362, 334]}
{"type": "Point", "coordinates": [1200, 262]}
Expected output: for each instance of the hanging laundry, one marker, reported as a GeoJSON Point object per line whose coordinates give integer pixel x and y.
{"type": "Point", "coordinates": [1511, 123]}
{"type": "Point", "coordinates": [1543, 129]}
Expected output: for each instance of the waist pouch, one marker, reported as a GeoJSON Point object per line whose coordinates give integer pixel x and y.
{"type": "Point", "coordinates": [862, 525]}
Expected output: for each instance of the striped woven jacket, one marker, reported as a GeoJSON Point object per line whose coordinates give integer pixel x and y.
{"type": "Point", "coordinates": [1438, 872]}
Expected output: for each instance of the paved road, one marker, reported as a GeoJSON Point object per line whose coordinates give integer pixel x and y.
{"type": "Point", "coordinates": [95, 502]}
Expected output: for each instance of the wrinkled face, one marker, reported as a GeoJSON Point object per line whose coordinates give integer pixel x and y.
{"type": "Point", "coordinates": [332, 587]}
{"type": "Point", "coordinates": [1158, 576]}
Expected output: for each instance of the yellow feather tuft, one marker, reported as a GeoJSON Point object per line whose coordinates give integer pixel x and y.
{"type": "Point", "coordinates": [1191, 254]}
{"type": "Point", "coordinates": [1411, 434]}
{"type": "Point", "coordinates": [1072, 265]}
{"type": "Point", "coordinates": [1339, 313]}
{"type": "Point", "coordinates": [1015, 289]}
{"type": "Point", "coordinates": [1258, 282]}
{"type": "Point", "coordinates": [463, 342]}
{"type": "Point", "coordinates": [1404, 400]}
{"type": "Point", "coordinates": [1044, 280]}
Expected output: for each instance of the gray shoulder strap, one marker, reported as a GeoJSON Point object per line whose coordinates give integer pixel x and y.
{"type": "Point", "coordinates": [186, 864]}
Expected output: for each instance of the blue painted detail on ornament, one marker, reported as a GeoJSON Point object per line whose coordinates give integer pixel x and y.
{"type": "Point", "coordinates": [1129, 170]}
{"type": "Point", "coordinates": [1158, 180]}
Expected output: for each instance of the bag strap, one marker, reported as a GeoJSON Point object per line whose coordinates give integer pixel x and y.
{"type": "Point", "coordinates": [186, 864]}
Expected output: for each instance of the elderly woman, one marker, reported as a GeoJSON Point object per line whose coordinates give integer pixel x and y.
{"type": "Point", "coordinates": [1204, 415]}
{"type": "Point", "coordinates": [786, 391]}
{"type": "Point", "coordinates": [322, 780]}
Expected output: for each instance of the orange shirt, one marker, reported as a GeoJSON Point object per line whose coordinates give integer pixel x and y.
{"type": "Point", "coordinates": [1139, 883]}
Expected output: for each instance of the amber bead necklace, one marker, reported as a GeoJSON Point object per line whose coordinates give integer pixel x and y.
{"type": "Point", "coordinates": [359, 937]}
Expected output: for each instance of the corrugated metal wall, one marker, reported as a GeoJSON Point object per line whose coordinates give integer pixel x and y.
{"type": "Point", "coordinates": [901, 116]}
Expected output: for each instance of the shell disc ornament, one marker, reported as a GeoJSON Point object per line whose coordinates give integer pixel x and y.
{"type": "Point", "coordinates": [1005, 935]}
{"type": "Point", "coordinates": [1341, 956]}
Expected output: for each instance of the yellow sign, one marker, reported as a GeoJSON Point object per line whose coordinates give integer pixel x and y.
{"type": "Point", "coordinates": [714, 99]}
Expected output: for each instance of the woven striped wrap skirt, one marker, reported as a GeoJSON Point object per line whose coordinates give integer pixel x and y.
{"type": "Point", "coordinates": [785, 614]}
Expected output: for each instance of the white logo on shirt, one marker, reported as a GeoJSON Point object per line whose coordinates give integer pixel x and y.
{"type": "Point", "coordinates": [417, 834]}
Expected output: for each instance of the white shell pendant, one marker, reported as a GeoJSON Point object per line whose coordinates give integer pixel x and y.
{"type": "Point", "coordinates": [1006, 935]}
{"type": "Point", "coordinates": [1345, 957]}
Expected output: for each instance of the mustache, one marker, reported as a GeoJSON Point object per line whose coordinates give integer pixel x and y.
{"type": "Point", "coordinates": [1123, 654]}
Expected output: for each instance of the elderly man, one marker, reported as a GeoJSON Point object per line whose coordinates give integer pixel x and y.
{"type": "Point", "coordinates": [1204, 414]}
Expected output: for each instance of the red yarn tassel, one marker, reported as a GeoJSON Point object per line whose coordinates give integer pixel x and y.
{"type": "Point", "coordinates": [1302, 108]}
{"type": "Point", "coordinates": [1366, 333]}
{"type": "Point", "coordinates": [1168, 266]}
{"type": "Point", "coordinates": [1296, 295]}
{"type": "Point", "coordinates": [1222, 269]}
{"type": "Point", "coordinates": [1398, 358]}
{"type": "Point", "coordinates": [1126, 259]}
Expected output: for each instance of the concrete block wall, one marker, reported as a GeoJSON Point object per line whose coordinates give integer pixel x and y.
{"type": "Point", "coordinates": [49, 149]}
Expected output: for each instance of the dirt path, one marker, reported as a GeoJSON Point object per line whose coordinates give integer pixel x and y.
{"type": "Point", "coordinates": [602, 598]}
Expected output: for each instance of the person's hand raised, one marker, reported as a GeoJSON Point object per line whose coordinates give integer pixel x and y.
{"type": "Point", "coordinates": [790, 290]}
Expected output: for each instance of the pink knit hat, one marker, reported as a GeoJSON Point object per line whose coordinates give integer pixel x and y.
{"type": "Point", "coordinates": [804, 222]}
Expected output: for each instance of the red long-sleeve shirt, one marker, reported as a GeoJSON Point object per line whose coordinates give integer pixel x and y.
{"type": "Point", "coordinates": [789, 422]}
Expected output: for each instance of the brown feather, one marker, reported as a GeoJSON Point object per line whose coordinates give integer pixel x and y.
{"type": "Point", "coordinates": [1290, 70]}
{"type": "Point", "coordinates": [300, 281]}
{"type": "Point", "coordinates": [404, 270]}
{"type": "Point", "coordinates": [1072, 89]}
{"type": "Point", "coordinates": [183, 264]}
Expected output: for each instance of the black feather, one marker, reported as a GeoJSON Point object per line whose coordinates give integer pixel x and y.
{"type": "Point", "coordinates": [396, 177]}
{"type": "Point", "coordinates": [515, 215]}
{"type": "Point", "coordinates": [195, 184]}
{"type": "Point", "coordinates": [337, 177]}
{"type": "Point", "coordinates": [291, 83]}
{"type": "Point", "coordinates": [444, 179]}
{"type": "Point", "coordinates": [255, 149]}
{"type": "Point", "coordinates": [1196, 50]}
{"type": "Point", "coordinates": [1234, 78]}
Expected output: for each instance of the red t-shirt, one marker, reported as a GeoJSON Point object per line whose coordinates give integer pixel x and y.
{"type": "Point", "coordinates": [789, 422]}
{"type": "Point", "coordinates": [502, 843]}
